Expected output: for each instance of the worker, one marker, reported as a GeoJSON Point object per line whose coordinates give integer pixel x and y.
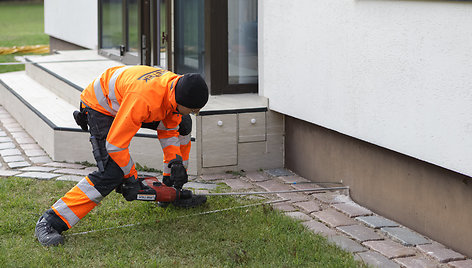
{"type": "Point", "coordinates": [113, 108]}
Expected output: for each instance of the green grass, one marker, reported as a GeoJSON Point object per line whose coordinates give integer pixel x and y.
{"type": "Point", "coordinates": [21, 24]}
{"type": "Point", "coordinates": [249, 237]}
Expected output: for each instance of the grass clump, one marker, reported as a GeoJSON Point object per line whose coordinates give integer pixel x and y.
{"type": "Point", "coordinates": [21, 24]}
{"type": "Point", "coordinates": [165, 237]}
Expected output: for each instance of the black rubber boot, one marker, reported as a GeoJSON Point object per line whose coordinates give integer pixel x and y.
{"type": "Point", "coordinates": [46, 234]}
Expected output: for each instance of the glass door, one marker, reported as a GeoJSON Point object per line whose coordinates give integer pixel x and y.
{"type": "Point", "coordinates": [135, 31]}
{"type": "Point", "coordinates": [189, 36]}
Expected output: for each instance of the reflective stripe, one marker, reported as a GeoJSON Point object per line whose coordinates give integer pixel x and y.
{"type": "Point", "coordinates": [112, 148]}
{"type": "Point", "coordinates": [185, 164]}
{"type": "Point", "coordinates": [102, 100]}
{"type": "Point", "coordinates": [61, 207]}
{"type": "Point", "coordinates": [111, 88]}
{"type": "Point", "coordinates": [90, 191]}
{"type": "Point", "coordinates": [163, 127]}
{"type": "Point", "coordinates": [169, 141]}
{"type": "Point", "coordinates": [127, 169]}
{"type": "Point", "coordinates": [184, 140]}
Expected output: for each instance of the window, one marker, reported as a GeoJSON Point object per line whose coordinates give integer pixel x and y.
{"type": "Point", "coordinates": [231, 46]}
{"type": "Point", "coordinates": [242, 41]}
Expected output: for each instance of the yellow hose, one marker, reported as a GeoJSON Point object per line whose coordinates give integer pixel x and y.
{"type": "Point", "coordinates": [38, 49]}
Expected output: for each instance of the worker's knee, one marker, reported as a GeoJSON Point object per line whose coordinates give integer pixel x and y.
{"type": "Point", "coordinates": [107, 181]}
{"type": "Point", "coordinates": [185, 126]}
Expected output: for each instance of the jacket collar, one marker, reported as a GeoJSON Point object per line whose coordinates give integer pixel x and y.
{"type": "Point", "coordinates": [172, 101]}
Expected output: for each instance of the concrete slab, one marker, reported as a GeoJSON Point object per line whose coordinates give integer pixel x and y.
{"type": "Point", "coordinates": [304, 186]}
{"type": "Point", "coordinates": [40, 169]}
{"type": "Point", "coordinates": [377, 221]}
{"type": "Point", "coordinates": [25, 140]}
{"type": "Point", "coordinates": [200, 186]}
{"type": "Point", "coordinates": [38, 175]}
{"type": "Point", "coordinates": [346, 243]}
{"type": "Point", "coordinates": [69, 178]}
{"type": "Point", "coordinates": [390, 249]}
{"type": "Point", "coordinates": [9, 152]}
{"type": "Point", "coordinates": [293, 179]}
{"type": "Point", "coordinates": [64, 165]}
{"type": "Point", "coordinates": [284, 207]}
{"type": "Point", "coordinates": [461, 264]}
{"type": "Point", "coordinates": [40, 159]}
{"type": "Point", "coordinates": [278, 172]}
{"type": "Point", "coordinates": [309, 206]}
{"type": "Point", "coordinates": [375, 259]}
{"type": "Point", "coordinates": [405, 236]}
{"type": "Point", "coordinates": [72, 171]}
{"type": "Point", "coordinates": [294, 197]}
{"type": "Point", "coordinates": [238, 184]}
{"type": "Point", "coordinates": [332, 197]}
{"type": "Point", "coordinates": [360, 233]}
{"type": "Point", "coordinates": [5, 139]}
{"type": "Point", "coordinates": [333, 218]}
{"type": "Point", "coordinates": [416, 262]}
{"type": "Point", "coordinates": [35, 153]}
{"type": "Point", "coordinates": [7, 145]}
{"type": "Point", "coordinates": [13, 158]}
{"type": "Point", "coordinates": [8, 173]}
{"type": "Point", "coordinates": [213, 177]}
{"type": "Point", "coordinates": [256, 176]}
{"type": "Point", "coordinates": [273, 185]}
{"type": "Point", "coordinates": [299, 216]}
{"type": "Point", "coordinates": [352, 209]}
{"type": "Point", "coordinates": [319, 228]}
{"type": "Point", "coordinates": [440, 253]}
{"type": "Point", "coordinates": [18, 164]}
{"type": "Point", "coordinates": [30, 146]}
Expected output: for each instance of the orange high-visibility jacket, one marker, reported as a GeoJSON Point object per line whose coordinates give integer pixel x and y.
{"type": "Point", "coordinates": [136, 95]}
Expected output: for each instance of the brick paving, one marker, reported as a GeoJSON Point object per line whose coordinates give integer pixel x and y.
{"type": "Point", "coordinates": [371, 238]}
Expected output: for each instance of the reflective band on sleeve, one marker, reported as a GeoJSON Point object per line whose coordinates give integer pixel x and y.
{"type": "Point", "coordinates": [90, 191]}
{"type": "Point", "coordinates": [126, 169]}
{"type": "Point", "coordinates": [169, 141]}
{"type": "Point", "coordinates": [102, 100]}
{"type": "Point", "coordinates": [111, 88]}
{"type": "Point", "coordinates": [183, 140]}
{"type": "Point", "coordinates": [112, 148]}
{"type": "Point", "coordinates": [62, 208]}
{"type": "Point", "coordinates": [185, 164]}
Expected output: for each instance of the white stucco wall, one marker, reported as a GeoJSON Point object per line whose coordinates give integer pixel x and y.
{"type": "Point", "coordinates": [72, 21]}
{"type": "Point", "coordinates": [393, 73]}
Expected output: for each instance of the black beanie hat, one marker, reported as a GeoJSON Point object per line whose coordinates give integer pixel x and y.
{"type": "Point", "coordinates": [191, 91]}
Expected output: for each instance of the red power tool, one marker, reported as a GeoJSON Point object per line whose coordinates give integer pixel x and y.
{"type": "Point", "coordinates": [153, 190]}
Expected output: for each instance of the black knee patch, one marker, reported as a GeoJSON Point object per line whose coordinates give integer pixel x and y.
{"type": "Point", "coordinates": [185, 127]}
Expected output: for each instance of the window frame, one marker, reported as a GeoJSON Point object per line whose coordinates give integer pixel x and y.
{"type": "Point", "coordinates": [216, 51]}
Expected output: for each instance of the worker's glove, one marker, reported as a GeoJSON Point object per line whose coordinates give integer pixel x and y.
{"type": "Point", "coordinates": [131, 187]}
{"type": "Point", "coordinates": [178, 173]}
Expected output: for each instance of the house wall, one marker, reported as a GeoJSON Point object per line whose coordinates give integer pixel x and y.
{"type": "Point", "coordinates": [72, 21]}
{"type": "Point", "coordinates": [392, 73]}
{"type": "Point", "coordinates": [376, 94]}
{"type": "Point", "coordinates": [426, 198]}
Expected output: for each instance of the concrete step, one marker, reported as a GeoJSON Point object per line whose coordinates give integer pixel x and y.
{"type": "Point", "coordinates": [48, 119]}
{"type": "Point", "coordinates": [67, 73]}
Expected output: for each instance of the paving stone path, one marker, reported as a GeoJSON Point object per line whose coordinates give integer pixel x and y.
{"type": "Point", "coordinates": [371, 238]}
